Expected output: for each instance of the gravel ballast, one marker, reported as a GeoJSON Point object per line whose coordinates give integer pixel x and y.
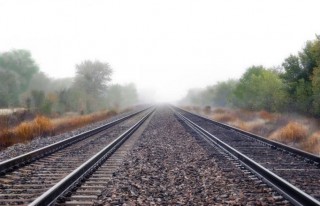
{"type": "Point", "coordinates": [168, 166]}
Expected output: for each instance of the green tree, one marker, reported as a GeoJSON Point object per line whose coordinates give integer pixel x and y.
{"type": "Point", "coordinates": [92, 78]}
{"type": "Point", "coordinates": [9, 86]}
{"type": "Point", "coordinates": [301, 78]}
{"type": "Point", "coordinates": [293, 71]}
{"type": "Point", "coordinates": [40, 81]}
{"type": "Point", "coordinates": [260, 88]}
{"type": "Point", "coordinates": [38, 98]}
{"type": "Point", "coordinates": [223, 93]}
{"type": "Point", "coordinates": [17, 68]}
{"type": "Point", "coordinates": [303, 96]}
{"type": "Point", "coordinates": [316, 91]}
{"type": "Point", "coordinates": [20, 62]}
{"type": "Point", "coordinates": [195, 97]}
{"type": "Point", "coordinates": [121, 96]}
{"type": "Point", "coordinates": [64, 103]}
{"type": "Point", "coordinates": [114, 96]}
{"type": "Point", "coordinates": [308, 59]}
{"type": "Point", "coordinates": [130, 95]}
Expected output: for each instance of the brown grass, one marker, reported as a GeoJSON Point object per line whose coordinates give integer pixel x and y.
{"type": "Point", "coordinates": [224, 117]}
{"type": "Point", "coordinates": [292, 132]}
{"type": "Point", "coordinates": [267, 116]}
{"type": "Point", "coordinates": [253, 126]}
{"type": "Point", "coordinates": [219, 111]}
{"type": "Point", "coordinates": [291, 129]}
{"type": "Point", "coordinates": [312, 144]}
{"type": "Point", "coordinates": [43, 126]}
{"type": "Point", "coordinates": [241, 125]}
{"type": "Point", "coordinates": [69, 123]}
{"type": "Point", "coordinates": [207, 109]}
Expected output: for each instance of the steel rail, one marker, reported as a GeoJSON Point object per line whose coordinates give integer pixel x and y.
{"type": "Point", "coordinates": [67, 183]}
{"type": "Point", "coordinates": [271, 143]}
{"type": "Point", "coordinates": [289, 191]}
{"type": "Point", "coordinates": [23, 159]}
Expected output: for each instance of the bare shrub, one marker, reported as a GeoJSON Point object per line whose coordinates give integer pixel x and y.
{"type": "Point", "coordinates": [267, 116]}
{"type": "Point", "coordinates": [43, 126]}
{"type": "Point", "coordinates": [312, 144]}
{"type": "Point", "coordinates": [224, 117]}
{"type": "Point", "coordinates": [219, 111]}
{"type": "Point", "coordinates": [292, 132]}
{"type": "Point", "coordinates": [207, 109]}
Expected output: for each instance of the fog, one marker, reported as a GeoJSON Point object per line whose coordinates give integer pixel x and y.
{"type": "Point", "coordinates": [163, 47]}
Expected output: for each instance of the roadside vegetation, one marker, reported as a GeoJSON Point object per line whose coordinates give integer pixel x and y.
{"type": "Point", "coordinates": [42, 126]}
{"type": "Point", "coordinates": [32, 104]}
{"type": "Point", "coordinates": [281, 103]}
{"type": "Point", "coordinates": [291, 129]}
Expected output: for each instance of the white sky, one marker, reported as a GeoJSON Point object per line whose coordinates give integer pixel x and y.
{"type": "Point", "coordinates": [164, 46]}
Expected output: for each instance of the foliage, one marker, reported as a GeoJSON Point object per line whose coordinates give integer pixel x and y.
{"type": "Point", "coordinates": [224, 93]}
{"type": "Point", "coordinates": [259, 89]}
{"type": "Point", "coordinates": [316, 90]}
{"type": "Point", "coordinates": [91, 82]}
{"type": "Point", "coordinates": [218, 95]}
{"type": "Point", "coordinates": [16, 70]}
{"type": "Point", "coordinates": [121, 96]}
{"type": "Point", "coordinates": [9, 87]}
{"type": "Point", "coordinates": [38, 97]}
{"type": "Point", "coordinates": [295, 87]}
{"type": "Point", "coordinates": [43, 126]}
{"type": "Point", "coordinates": [301, 76]}
{"type": "Point", "coordinates": [292, 132]}
{"type": "Point", "coordinates": [92, 77]}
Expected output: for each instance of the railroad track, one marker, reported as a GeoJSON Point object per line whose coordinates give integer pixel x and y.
{"type": "Point", "coordinates": [26, 177]}
{"type": "Point", "coordinates": [291, 172]}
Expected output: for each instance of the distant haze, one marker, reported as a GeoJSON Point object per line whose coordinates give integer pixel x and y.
{"type": "Point", "coordinates": [164, 47]}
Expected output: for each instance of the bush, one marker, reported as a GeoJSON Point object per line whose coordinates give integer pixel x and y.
{"type": "Point", "coordinates": [312, 144]}
{"type": "Point", "coordinates": [224, 117]}
{"type": "Point", "coordinates": [219, 111]}
{"type": "Point", "coordinates": [292, 132]}
{"type": "Point", "coordinates": [266, 115]}
{"type": "Point", "coordinates": [25, 131]}
{"type": "Point", "coordinates": [43, 126]}
{"type": "Point", "coordinates": [207, 109]}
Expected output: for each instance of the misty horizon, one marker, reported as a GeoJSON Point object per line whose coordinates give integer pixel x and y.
{"type": "Point", "coordinates": [164, 48]}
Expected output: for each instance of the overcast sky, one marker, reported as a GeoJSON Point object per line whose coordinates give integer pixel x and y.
{"type": "Point", "coordinates": [164, 46]}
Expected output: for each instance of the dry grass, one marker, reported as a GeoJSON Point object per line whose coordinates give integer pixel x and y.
{"type": "Point", "coordinates": [219, 111]}
{"type": "Point", "coordinates": [292, 129]}
{"type": "Point", "coordinates": [312, 144]}
{"type": "Point", "coordinates": [224, 117]}
{"type": "Point", "coordinates": [293, 132]}
{"type": "Point", "coordinates": [256, 126]}
{"type": "Point", "coordinates": [69, 123]}
{"type": "Point", "coordinates": [43, 126]}
{"type": "Point", "coordinates": [26, 131]}
{"type": "Point", "coordinates": [267, 116]}
{"type": "Point", "coordinates": [207, 109]}
{"type": "Point", "coordinates": [241, 125]}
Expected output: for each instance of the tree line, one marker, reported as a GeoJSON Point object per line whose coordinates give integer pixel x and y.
{"type": "Point", "coordinates": [294, 86]}
{"type": "Point", "coordinates": [22, 84]}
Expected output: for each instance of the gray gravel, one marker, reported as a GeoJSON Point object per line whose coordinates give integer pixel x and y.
{"type": "Point", "coordinates": [21, 148]}
{"type": "Point", "coordinates": [168, 166]}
